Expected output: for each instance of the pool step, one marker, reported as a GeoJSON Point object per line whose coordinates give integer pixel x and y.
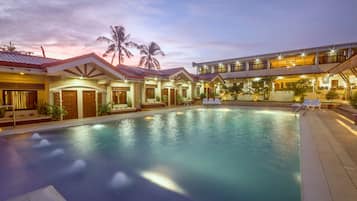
{"type": "Point", "coordinates": [48, 193]}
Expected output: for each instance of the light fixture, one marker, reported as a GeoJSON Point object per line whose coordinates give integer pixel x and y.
{"type": "Point", "coordinates": [280, 57]}
{"type": "Point", "coordinates": [220, 64]}
{"type": "Point", "coordinates": [257, 60]}
{"type": "Point", "coordinates": [303, 54]}
{"type": "Point", "coordinates": [238, 62]}
{"type": "Point", "coordinates": [155, 78]}
{"type": "Point", "coordinates": [125, 80]}
{"type": "Point", "coordinates": [22, 73]}
{"type": "Point", "coordinates": [81, 77]}
{"type": "Point", "coordinates": [303, 76]}
{"type": "Point", "coordinates": [279, 77]}
{"type": "Point", "coordinates": [257, 79]}
{"type": "Point", "coordinates": [333, 50]}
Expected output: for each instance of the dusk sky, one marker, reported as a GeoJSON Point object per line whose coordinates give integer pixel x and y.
{"type": "Point", "coordinates": [186, 30]}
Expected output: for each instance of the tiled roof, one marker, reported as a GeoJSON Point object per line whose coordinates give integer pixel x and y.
{"type": "Point", "coordinates": [207, 77]}
{"type": "Point", "coordinates": [21, 60]}
{"type": "Point", "coordinates": [141, 73]}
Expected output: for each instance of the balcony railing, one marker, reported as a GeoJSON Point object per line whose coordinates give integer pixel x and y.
{"type": "Point", "coordinates": [257, 66]}
{"type": "Point", "coordinates": [327, 59]}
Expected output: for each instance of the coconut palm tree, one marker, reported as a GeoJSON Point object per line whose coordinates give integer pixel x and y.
{"type": "Point", "coordinates": [148, 60]}
{"type": "Point", "coordinates": [118, 44]}
{"type": "Point", "coordinates": [9, 48]}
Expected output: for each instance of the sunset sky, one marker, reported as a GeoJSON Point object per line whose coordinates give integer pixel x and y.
{"type": "Point", "coordinates": [186, 30]}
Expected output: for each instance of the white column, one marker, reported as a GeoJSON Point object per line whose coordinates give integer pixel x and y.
{"type": "Point", "coordinates": [212, 69]}
{"type": "Point", "coordinates": [247, 65]}
{"type": "Point", "coordinates": [349, 52]}
{"type": "Point", "coordinates": [229, 67]}
{"type": "Point", "coordinates": [169, 96]}
{"type": "Point", "coordinates": [268, 64]}
{"type": "Point", "coordinates": [60, 101]}
{"type": "Point", "coordinates": [317, 57]}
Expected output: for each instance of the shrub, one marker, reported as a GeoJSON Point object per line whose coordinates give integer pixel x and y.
{"type": "Point", "coordinates": [44, 109]}
{"type": "Point", "coordinates": [129, 103]}
{"type": "Point", "coordinates": [332, 94]}
{"type": "Point", "coordinates": [104, 109]}
{"type": "Point", "coordinates": [56, 112]}
{"type": "Point", "coordinates": [2, 112]}
{"type": "Point", "coordinates": [157, 98]}
{"type": "Point", "coordinates": [353, 100]}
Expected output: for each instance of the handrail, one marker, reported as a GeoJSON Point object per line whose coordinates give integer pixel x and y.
{"type": "Point", "coordinates": [13, 112]}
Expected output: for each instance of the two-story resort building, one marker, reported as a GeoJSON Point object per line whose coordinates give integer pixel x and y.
{"type": "Point", "coordinates": [330, 67]}
{"type": "Point", "coordinates": [82, 84]}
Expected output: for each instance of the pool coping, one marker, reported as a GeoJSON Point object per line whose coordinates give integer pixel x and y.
{"type": "Point", "coordinates": [317, 147]}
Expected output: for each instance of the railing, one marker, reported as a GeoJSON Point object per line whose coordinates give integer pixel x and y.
{"type": "Point", "coordinates": [332, 59]}
{"type": "Point", "coordinates": [258, 66]}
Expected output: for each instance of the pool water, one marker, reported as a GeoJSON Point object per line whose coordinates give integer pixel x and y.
{"type": "Point", "coordinates": [200, 154]}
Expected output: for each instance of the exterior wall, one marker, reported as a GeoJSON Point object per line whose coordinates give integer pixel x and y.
{"type": "Point", "coordinates": [58, 85]}
{"type": "Point", "coordinates": [42, 94]}
{"type": "Point", "coordinates": [130, 94]}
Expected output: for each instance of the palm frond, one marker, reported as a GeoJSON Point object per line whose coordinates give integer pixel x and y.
{"type": "Point", "coordinates": [142, 60]}
{"type": "Point", "coordinates": [105, 39]}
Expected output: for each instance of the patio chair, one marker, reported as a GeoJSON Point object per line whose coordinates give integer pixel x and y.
{"type": "Point", "coordinates": [315, 104]}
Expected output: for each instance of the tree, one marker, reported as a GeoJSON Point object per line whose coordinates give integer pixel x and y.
{"type": "Point", "coordinates": [118, 44]}
{"type": "Point", "coordinates": [148, 60]}
{"type": "Point", "coordinates": [11, 48]}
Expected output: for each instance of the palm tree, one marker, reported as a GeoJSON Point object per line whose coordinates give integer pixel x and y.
{"type": "Point", "coordinates": [148, 60]}
{"type": "Point", "coordinates": [118, 44]}
{"type": "Point", "coordinates": [9, 48]}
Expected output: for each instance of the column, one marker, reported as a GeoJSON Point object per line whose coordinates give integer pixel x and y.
{"type": "Point", "coordinates": [169, 96]}
{"type": "Point", "coordinates": [317, 57]}
{"type": "Point", "coordinates": [268, 64]}
{"type": "Point", "coordinates": [349, 53]}
{"type": "Point", "coordinates": [212, 69]}
{"type": "Point", "coordinates": [60, 96]}
{"type": "Point", "coordinates": [247, 65]}
{"type": "Point", "coordinates": [229, 66]}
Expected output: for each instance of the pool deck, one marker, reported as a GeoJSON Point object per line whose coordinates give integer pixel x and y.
{"type": "Point", "coordinates": [328, 149]}
{"type": "Point", "coordinates": [328, 170]}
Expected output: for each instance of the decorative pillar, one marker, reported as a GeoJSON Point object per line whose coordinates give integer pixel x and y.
{"type": "Point", "coordinates": [268, 64]}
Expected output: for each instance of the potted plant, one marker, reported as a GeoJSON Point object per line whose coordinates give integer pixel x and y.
{"type": "Point", "coordinates": [158, 99]}
{"type": "Point", "coordinates": [104, 109]}
{"type": "Point", "coordinates": [129, 103]}
{"type": "Point", "coordinates": [56, 112]}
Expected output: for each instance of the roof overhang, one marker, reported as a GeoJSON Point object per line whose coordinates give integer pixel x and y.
{"type": "Point", "coordinates": [53, 68]}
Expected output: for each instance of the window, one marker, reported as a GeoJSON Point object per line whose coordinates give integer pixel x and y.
{"type": "Point", "coordinates": [184, 93]}
{"type": "Point", "coordinates": [119, 97]}
{"type": "Point", "coordinates": [21, 99]}
{"type": "Point", "coordinates": [150, 93]}
{"type": "Point", "coordinates": [221, 68]}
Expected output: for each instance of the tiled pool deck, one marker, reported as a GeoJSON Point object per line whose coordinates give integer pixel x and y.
{"type": "Point", "coordinates": [328, 150]}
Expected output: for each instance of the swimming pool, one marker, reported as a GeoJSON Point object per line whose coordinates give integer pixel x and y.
{"type": "Point", "coordinates": [199, 154]}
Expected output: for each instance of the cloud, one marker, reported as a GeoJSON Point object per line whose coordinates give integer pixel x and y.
{"type": "Point", "coordinates": [186, 30]}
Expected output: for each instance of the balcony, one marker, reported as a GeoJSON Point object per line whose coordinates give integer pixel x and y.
{"type": "Point", "coordinates": [327, 59]}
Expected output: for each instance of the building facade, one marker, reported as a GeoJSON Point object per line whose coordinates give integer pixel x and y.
{"type": "Point", "coordinates": [82, 84]}
{"type": "Point", "coordinates": [281, 71]}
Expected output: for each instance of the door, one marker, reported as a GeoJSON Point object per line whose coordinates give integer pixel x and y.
{"type": "Point", "coordinates": [172, 96]}
{"type": "Point", "coordinates": [89, 106]}
{"type": "Point", "coordinates": [69, 103]}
